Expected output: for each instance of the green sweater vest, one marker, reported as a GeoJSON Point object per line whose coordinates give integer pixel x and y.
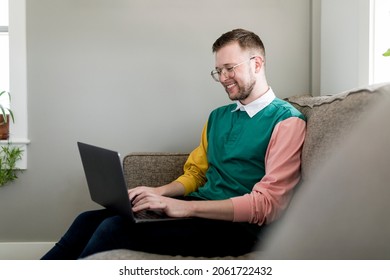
{"type": "Point", "coordinates": [236, 149]}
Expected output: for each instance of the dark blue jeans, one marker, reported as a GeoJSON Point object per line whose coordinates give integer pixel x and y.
{"type": "Point", "coordinates": [102, 230]}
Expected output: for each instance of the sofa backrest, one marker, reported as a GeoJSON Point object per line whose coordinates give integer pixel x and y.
{"type": "Point", "coordinates": [152, 169]}
{"type": "Point", "coordinates": [330, 118]}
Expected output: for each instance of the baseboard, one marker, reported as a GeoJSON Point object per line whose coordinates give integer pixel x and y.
{"type": "Point", "coordinates": [24, 250]}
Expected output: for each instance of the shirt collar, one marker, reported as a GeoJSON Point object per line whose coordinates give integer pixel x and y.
{"type": "Point", "coordinates": [257, 105]}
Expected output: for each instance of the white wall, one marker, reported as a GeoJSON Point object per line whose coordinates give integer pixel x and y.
{"type": "Point", "coordinates": [131, 76]}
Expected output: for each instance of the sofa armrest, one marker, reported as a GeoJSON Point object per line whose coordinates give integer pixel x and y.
{"type": "Point", "coordinates": [152, 168]}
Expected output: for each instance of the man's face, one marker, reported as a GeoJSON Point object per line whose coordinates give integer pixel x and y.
{"type": "Point", "coordinates": [240, 81]}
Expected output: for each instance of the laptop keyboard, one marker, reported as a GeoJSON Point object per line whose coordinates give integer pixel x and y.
{"type": "Point", "coordinates": [147, 214]}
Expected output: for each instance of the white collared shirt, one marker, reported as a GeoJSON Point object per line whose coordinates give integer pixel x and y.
{"type": "Point", "coordinates": [257, 105]}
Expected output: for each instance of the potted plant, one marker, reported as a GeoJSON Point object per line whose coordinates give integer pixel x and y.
{"type": "Point", "coordinates": [9, 155]}
{"type": "Point", "coordinates": [5, 115]}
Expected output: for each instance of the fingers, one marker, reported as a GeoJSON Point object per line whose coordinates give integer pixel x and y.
{"type": "Point", "coordinates": [148, 201]}
{"type": "Point", "coordinates": [133, 193]}
{"type": "Point", "coordinates": [137, 191]}
{"type": "Point", "coordinates": [143, 198]}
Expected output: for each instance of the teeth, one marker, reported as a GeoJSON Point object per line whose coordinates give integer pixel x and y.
{"type": "Point", "coordinates": [230, 86]}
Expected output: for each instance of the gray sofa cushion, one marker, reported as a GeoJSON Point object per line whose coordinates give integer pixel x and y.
{"type": "Point", "coordinates": [152, 169]}
{"type": "Point", "coordinates": [136, 255]}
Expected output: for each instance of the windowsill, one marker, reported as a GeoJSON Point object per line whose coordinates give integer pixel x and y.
{"type": "Point", "coordinates": [21, 143]}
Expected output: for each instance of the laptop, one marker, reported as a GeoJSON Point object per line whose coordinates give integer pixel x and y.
{"type": "Point", "coordinates": [107, 185]}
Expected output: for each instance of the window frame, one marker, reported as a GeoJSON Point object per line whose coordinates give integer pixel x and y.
{"type": "Point", "coordinates": [377, 49]}
{"type": "Point", "coordinates": [18, 78]}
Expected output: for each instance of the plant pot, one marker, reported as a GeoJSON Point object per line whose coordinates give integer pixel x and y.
{"type": "Point", "coordinates": [4, 128]}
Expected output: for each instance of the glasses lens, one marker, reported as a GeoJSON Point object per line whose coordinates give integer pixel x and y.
{"type": "Point", "coordinates": [215, 75]}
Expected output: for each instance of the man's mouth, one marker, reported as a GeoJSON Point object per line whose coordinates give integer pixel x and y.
{"type": "Point", "coordinates": [230, 85]}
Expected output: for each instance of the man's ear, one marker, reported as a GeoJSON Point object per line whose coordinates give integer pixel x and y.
{"type": "Point", "coordinates": [259, 63]}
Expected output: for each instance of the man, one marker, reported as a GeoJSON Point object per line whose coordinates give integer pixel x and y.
{"type": "Point", "coordinates": [239, 178]}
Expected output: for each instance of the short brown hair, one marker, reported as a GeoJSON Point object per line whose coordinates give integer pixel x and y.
{"type": "Point", "coordinates": [246, 39]}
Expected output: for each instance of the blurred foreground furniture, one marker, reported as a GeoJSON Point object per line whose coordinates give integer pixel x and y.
{"type": "Point", "coordinates": [342, 211]}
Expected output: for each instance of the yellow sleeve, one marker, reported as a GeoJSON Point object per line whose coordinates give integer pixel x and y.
{"type": "Point", "coordinates": [196, 166]}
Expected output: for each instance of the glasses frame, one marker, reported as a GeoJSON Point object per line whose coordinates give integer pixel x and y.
{"type": "Point", "coordinates": [228, 72]}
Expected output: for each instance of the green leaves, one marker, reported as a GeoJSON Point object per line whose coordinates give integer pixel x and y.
{"type": "Point", "coordinates": [4, 111]}
{"type": "Point", "coordinates": [387, 53]}
{"type": "Point", "coordinates": [9, 155]}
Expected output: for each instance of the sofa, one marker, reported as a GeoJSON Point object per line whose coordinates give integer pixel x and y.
{"type": "Point", "coordinates": [330, 120]}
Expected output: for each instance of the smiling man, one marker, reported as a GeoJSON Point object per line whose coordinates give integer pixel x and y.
{"type": "Point", "coordinates": [239, 178]}
{"type": "Point", "coordinates": [248, 85]}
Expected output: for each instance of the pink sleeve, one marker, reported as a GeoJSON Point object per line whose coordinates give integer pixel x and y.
{"type": "Point", "coordinates": [271, 195]}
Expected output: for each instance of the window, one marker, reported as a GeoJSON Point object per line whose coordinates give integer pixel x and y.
{"type": "Point", "coordinates": [4, 51]}
{"type": "Point", "coordinates": [13, 69]}
{"type": "Point", "coordinates": [380, 41]}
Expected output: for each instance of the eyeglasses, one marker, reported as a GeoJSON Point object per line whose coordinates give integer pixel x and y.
{"type": "Point", "coordinates": [228, 72]}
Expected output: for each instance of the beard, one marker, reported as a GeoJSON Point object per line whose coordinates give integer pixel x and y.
{"type": "Point", "coordinates": [244, 90]}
